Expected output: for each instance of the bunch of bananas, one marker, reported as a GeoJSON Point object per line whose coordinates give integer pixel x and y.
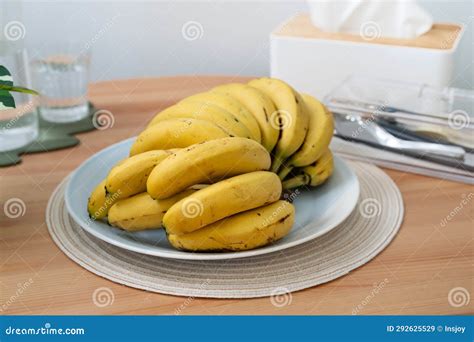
{"type": "Point", "coordinates": [211, 169]}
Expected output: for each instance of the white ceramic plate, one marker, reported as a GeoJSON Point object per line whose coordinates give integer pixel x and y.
{"type": "Point", "coordinates": [317, 211]}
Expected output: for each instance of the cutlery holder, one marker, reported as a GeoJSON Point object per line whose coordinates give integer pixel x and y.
{"type": "Point", "coordinates": [426, 113]}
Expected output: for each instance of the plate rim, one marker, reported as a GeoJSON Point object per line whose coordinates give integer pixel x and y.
{"type": "Point", "coordinates": [196, 255]}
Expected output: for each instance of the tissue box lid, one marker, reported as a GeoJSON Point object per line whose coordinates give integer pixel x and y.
{"type": "Point", "coordinates": [441, 36]}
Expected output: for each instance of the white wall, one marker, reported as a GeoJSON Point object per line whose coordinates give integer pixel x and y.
{"type": "Point", "coordinates": [136, 39]}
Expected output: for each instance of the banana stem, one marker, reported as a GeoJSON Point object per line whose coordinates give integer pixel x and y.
{"type": "Point", "coordinates": [295, 182]}
{"type": "Point", "coordinates": [285, 170]}
{"type": "Point", "coordinates": [277, 161]}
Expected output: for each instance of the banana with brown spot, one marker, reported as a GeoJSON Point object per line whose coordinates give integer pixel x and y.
{"type": "Point", "coordinates": [222, 199]}
{"type": "Point", "coordinates": [233, 106]}
{"type": "Point", "coordinates": [320, 132]}
{"type": "Point", "coordinates": [244, 231]}
{"type": "Point", "coordinates": [207, 162]}
{"type": "Point", "coordinates": [207, 112]}
{"type": "Point", "coordinates": [130, 177]}
{"type": "Point", "coordinates": [312, 175]}
{"type": "Point", "coordinates": [261, 107]}
{"type": "Point", "coordinates": [291, 116]}
{"type": "Point", "coordinates": [141, 212]}
{"type": "Point", "coordinates": [176, 133]}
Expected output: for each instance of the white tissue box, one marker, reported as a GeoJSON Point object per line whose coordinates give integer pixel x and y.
{"type": "Point", "coordinates": [315, 62]}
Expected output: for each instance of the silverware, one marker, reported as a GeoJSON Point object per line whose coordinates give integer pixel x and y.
{"type": "Point", "coordinates": [373, 106]}
{"type": "Point", "coordinates": [343, 105]}
{"type": "Point", "coordinates": [354, 127]}
{"type": "Point", "coordinates": [402, 132]}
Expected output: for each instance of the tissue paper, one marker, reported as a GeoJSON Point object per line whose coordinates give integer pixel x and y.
{"type": "Point", "coordinates": [371, 19]}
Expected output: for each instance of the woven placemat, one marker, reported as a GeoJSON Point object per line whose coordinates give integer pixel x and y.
{"type": "Point", "coordinates": [364, 234]}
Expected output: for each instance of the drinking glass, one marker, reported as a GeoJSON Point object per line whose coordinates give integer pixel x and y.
{"type": "Point", "coordinates": [18, 126]}
{"type": "Point", "coordinates": [60, 73]}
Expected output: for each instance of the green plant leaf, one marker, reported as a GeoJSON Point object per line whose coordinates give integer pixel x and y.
{"type": "Point", "coordinates": [6, 86]}
{"type": "Point", "coordinates": [5, 76]}
{"type": "Point", "coordinates": [6, 100]}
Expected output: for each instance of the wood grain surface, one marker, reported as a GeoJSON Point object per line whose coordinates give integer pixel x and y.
{"type": "Point", "coordinates": [413, 275]}
{"type": "Point", "coordinates": [440, 36]}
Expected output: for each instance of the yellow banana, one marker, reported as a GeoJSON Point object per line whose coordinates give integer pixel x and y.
{"type": "Point", "coordinates": [247, 230]}
{"type": "Point", "coordinates": [222, 199]}
{"type": "Point", "coordinates": [176, 133]}
{"type": "Point", "coordinates": [99, 202]}
{"type": "Point", "coordinates": [207, 162]}
{"type": "Point", "coordinates": [130, 177]}
{"type": "Point", "coordinates": [291, 116]}
{"type": "Point", "coordinates": [142, 212]}
{"type": "Point", "coordinates": [313, 175]}
{"type": "Point", "coordinates": [231, 105]}
{"type": "Point", "coordinates": [259, 104]}
{"type": "Point", "coordinates": [207, 112]}
{"type": "Point", "coordinates": [320, 132]}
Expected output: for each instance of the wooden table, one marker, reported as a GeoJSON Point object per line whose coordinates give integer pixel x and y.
{"type": "Point", "coordinates": [419, 268]}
